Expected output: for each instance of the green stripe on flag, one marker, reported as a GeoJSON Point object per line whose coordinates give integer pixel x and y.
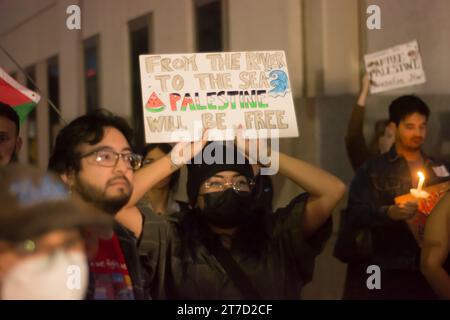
{"type": "Point", "coordinates": [23, 110]}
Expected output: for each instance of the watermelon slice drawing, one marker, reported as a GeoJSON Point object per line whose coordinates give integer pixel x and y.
{"type": "Point", "coordinates": [154, 104]}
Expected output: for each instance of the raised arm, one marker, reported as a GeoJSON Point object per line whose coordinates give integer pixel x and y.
{"type": "Point", "coordinates": [355, 143]}
{"type": "Point", "coordinates": [148, 176]}
{"type": "Point", "coordinates": [325, 190]}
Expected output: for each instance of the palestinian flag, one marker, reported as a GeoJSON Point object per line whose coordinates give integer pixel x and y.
{"type": "Point", "coordinates": [17, 96]}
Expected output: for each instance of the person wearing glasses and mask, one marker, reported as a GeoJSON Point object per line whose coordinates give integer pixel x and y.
{"type": "Point", "coordinates": [93, 155]}
{"type": "Point", "coordinates": [42, 250]}
{"type": "Point", "coordinates": [221, 249]}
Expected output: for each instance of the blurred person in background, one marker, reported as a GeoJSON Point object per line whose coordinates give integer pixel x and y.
{"type": "Point", "coordinates": [10, 141]}
{"type": "Point", "coordinates": [42, 250]}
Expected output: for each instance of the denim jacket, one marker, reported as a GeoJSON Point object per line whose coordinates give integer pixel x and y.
{"type": "Point", "coordinates": [372, 191]}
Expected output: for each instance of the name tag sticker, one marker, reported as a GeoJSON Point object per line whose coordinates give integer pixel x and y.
{"type": "Point", "coordinates": [441, 171]}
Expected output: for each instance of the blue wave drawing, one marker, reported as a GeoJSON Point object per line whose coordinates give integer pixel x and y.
{"type": "Point", "coordinates": [279, 83]}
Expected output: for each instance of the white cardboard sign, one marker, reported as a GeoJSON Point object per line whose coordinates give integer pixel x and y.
{"type": "Point", "coordinates": [184, 93]}
{"type": "Point", "coordinates": [396, 67]}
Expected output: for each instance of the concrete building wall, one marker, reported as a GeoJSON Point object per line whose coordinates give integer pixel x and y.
{"type": "Point", "coordinates": [428, 22]}
{"type": "Point", "coordinates": [267, 31]}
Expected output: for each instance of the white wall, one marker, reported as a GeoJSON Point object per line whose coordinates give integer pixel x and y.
{"type": "Point", "coordinates": [265, 30]}
{"type": "Point", "coordinates": [428, 22]}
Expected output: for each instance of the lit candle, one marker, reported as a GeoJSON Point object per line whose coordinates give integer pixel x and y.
{"type": "Point", "coordinates": [421, 180]}
{"type": "Point", "coordinates": [419, 193]}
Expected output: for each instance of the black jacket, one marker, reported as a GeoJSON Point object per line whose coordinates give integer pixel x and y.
{"type": "Point", "coordinates": [271, 250]}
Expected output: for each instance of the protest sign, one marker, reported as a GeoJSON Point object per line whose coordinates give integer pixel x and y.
{"type": "Point", "coordinates": [184, 93]}
{"type": "Point", "coordinates": [396, 67]}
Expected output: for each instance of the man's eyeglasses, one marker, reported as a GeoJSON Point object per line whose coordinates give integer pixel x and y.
{"type": "Point", "coordinates": [109, 158]}
{"type": "Point", "coordinates": [239, 183]}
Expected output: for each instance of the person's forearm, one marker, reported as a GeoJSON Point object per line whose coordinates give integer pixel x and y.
{"type": "Point", "coordinates": [362, 99]}
{"type": "Point", "coordinates": [439, 280]}
{"type": "Point", "coordinates": [365, 87]}
{"type": "Point", "coordinates": [356, 122]}
{"type": "Point", "coordinates": [148, 176]}
{"type": "Point", "coordinates": [436, 247]}
{"type": "Point", "coordinates": [315, 181]}
{"type": "Point", "coordinates": [355, 142]}
{"type": "Point", "coordinates": [325, 191]}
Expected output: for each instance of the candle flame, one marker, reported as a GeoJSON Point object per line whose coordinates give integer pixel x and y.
{"type": "Point", "coordinates": [421, 176]}
{"type": "Point", "coordinates": [421, 180]}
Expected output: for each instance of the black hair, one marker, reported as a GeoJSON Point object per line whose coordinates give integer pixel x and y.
{"type": "Point", "coordinates": [6, 111]}
{"type": "Point", "coordinates": [88, 128]}
{"type": "Point", "coordinates": [166, 148]}
{"type": "Point", "coordinates": [404, 106]}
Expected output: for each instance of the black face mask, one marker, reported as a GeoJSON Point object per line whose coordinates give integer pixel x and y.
{"type": "Point", "coordinates": [226, 209]}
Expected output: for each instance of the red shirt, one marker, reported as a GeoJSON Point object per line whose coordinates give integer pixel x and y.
{"type": "Point", "coordinates": [110, 273]}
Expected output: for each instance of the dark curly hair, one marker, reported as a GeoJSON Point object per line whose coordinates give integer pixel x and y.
{"type": "Point", "coordinates": [85, 129]}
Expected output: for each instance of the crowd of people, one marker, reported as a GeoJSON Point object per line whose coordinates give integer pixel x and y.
{"type": "Point", "coordinates": [103, 221]}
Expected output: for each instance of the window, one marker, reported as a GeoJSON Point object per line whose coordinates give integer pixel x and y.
{"type": "Point", "coordinates": [32, 121]}
{"type": "Point", "coordinates": [91, 72]}
{"type": "Point", "coordinates": [209, 25]}
{"type": "Point", "coordinates": [53, 94]}
{"type": "Point", "coordinates": [139, 34]}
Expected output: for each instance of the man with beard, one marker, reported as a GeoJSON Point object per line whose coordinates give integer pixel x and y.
{"type": "Point", "coordinates": [373, 213]}
{"type": "Point", "coordinates": [219, 248]}
{"type": "Point", "coordinates": [93, 156]}
{"type": "Point", "coordinates": [10, 141]}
